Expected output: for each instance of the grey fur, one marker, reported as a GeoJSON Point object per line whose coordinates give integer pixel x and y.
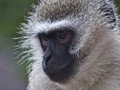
{"type": "Point", "coordinates": [96, 44]}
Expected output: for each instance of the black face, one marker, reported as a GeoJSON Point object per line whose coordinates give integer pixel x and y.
{"type": "Point", "coordinates": [57, 62]}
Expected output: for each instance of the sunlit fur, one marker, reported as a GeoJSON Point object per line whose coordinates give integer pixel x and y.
{"type": "Point", "coordinates": [96, 43]}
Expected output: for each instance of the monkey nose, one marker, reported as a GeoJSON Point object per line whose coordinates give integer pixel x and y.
{"type": "Point", "coordinates": [46, 60]}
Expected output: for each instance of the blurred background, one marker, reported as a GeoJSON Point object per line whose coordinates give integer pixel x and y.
{"type": "Point", "coordinates": [12, 12]}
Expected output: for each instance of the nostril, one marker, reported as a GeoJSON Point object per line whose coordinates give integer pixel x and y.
{"type": "Point", "coordinates": [46, 59]}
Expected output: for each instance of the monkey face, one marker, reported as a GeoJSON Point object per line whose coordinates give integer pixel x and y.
{"type": "Point", "coordinates": [57, 62]}
{"type": "Point", "coordinates": [74, 43]}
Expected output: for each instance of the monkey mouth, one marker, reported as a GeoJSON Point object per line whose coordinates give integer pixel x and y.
{"type": "Point", "coordinates": [60, 75]}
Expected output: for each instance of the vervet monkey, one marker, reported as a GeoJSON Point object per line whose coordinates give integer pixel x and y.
{"type": "Point", "coordinates": [73, 45]}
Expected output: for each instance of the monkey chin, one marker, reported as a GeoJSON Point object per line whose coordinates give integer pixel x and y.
{"type": "Point", "coordinates": [60, 75]}
{"type": "Point", "coordinates": [59, 78]}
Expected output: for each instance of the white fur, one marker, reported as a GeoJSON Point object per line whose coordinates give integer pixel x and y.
{"type": "Point", "coordinates": [45, 27]}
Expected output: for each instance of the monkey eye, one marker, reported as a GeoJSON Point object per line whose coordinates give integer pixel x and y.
{"type": "Point", "coordinates": [44, 39]}
{"type": "Point", "coordinates": [62, 35]}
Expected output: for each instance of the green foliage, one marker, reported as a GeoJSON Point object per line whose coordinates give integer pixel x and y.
{"type": "Point", "coordinates": [12, 13]}
{"type": "Point", "coordinates": [117, 2]}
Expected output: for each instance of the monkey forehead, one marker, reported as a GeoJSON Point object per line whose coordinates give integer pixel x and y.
{"type": "Point", "coordinates": [45, 27]}
{"type": "Point", "coordinates": [57, 9]}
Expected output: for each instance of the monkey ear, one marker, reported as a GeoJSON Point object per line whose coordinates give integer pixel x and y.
{"type": "Point", "coordinates": [109, 13]}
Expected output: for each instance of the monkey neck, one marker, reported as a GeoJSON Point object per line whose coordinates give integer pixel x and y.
{"type": "Point", "coordinates": [98, 64]}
